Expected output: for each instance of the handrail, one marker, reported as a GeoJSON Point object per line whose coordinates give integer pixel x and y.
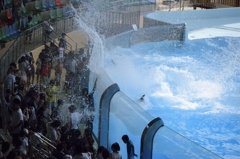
{"type": "Point", "coordinates": [44, 140]}
{"type": "Point", "coordinates": [171, 7]}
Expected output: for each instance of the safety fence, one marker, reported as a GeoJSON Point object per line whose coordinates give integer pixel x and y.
{"type": "Point", "coordinates": [20, 45]}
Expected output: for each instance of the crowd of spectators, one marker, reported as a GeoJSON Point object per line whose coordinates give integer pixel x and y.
{"type": "Point", "coordinates": [33, 107]}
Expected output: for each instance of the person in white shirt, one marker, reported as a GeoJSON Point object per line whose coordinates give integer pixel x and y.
{"type": "Point", "coordinates": [9, 80]}
{"type": "Point", "coordinates": [53, 132]}
{"type": "Point", "coordinates": [115, 154]}
{"type": "Point", "coordinates": [17, 119]}
{"type": "Point", "coordinates": [23, 137]}
{"type": "Point", "coordinates": [75, 117]}
{"type": "Point", "coordinates": [61, 51]}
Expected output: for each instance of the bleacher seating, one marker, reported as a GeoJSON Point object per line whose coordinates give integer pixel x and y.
{"type": "Point", "coordinates": [5, 32]}
{"type": "Point", "coordinates": [45, 5]}
{"type": "Point", "coordinates": [59, 14]}
{"type": "Point", "coordinates": [9, 14]}
{"type": "Point", "coordinates": [38, 6]}
{"type": "Point", "coordinates": [53, 14]}
{"type": "Point", "coordinates": [51, 4]}
{"type": "Point", "coordinates": [25, 12]}
{"type": "Point", "coordinates": [8, 3]}
{"type": "Point", "coordinates": [58, 3]}
{"type": "Point", "coordinates": [14, 31]}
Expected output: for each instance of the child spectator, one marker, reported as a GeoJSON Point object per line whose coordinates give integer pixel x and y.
{"type": "Point", "coordinates": [115, 154]}
{"type": "Point", "coordinates": [130, 147]}
{"type": "Point", "coordinates": [44, 74]}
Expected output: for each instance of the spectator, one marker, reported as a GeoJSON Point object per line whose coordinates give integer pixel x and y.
{"type": "Point", "coordinates": [79, 153]}
{"type": "Point", "coordinates": [99, 152]}
{"type": "Point", "coordinates": [48, 29]}
{"type": "Point", "coordinates": [115, 154]}
{"type": "Point", "coordinates": [58, 72]}
{"type": "Point", "coordinates": [32, 61]}
{"type": "Point", "coordinates": [39, 65]}
{"type": "Point", "coordinates": [130, 147]}
{"type": "Point", "coordinates": [61, 51]}
{"type": "Point", "coordinates": [9, 81]}
{"type": "Point", "coordinates": [43, 116]}
{"type": "Point", "coordinates": [24, 147]}
{"type": "Point", "coordinates": [17, 143]}
{"type": "Point", "coordinates": [29, 30]}
{"type": "Point", "coordinates": [53, 132]}
{"type": "Point", "coordinates": [105, 153]}
{"type": "Point", "coordinates": [67, 157]}
{"type": "Point", "coordinates": [29, 71]}
{"type": "Point", "coordinates": [16, 10]}
{"type": "Point", "coordinates": [23, 68]}
{"type": "Point", "coordinates": [51, 92]}
{"type": "Point", "coordinates": [5, 149]}
{"type": "Point", "coordinates": [17, 119]}
{"type": "Point", "coordinates": [58, 153]}
{"type": "Point", "coordinates": [75, 117]}
{"type": "Point", "coordinates": [82, 54]}
{"type": "Point", "coordinates": [70, 83]}
{"type": "Point", "coordinates": [44, 72]}
{"type": "Point", "coordinates": [56, 114]}
{"type": "Point", "coordinates": [63, 41]}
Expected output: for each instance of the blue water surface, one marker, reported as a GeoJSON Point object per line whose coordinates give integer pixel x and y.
{"type": "Point", "coordinates": [194, 86]}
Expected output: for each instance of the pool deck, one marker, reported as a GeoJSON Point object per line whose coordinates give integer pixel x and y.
{"type": "Point", "coordinates": [204, 23]}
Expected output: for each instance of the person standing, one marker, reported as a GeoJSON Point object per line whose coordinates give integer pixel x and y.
{"type": "Point", "coordinates": [130, 147]}
{"type": "Point", "coordinates": [115, 154]}
{"type": "Point", "coordinates": [17, 119]}
{"type": "Point", "coordinates": [51, 92]}
{"type": "Point", "coordinates": [58, 72]}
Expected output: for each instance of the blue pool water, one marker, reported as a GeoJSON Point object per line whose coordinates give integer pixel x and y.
{"type": "Point", "coordinates": [194, 86]}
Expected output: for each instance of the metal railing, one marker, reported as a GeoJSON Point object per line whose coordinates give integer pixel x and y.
{"type": "Point", "coordinates": [20, 46]}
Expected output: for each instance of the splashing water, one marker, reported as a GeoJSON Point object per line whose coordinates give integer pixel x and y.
{"type": "Point", "coordinates": [193, 87]}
